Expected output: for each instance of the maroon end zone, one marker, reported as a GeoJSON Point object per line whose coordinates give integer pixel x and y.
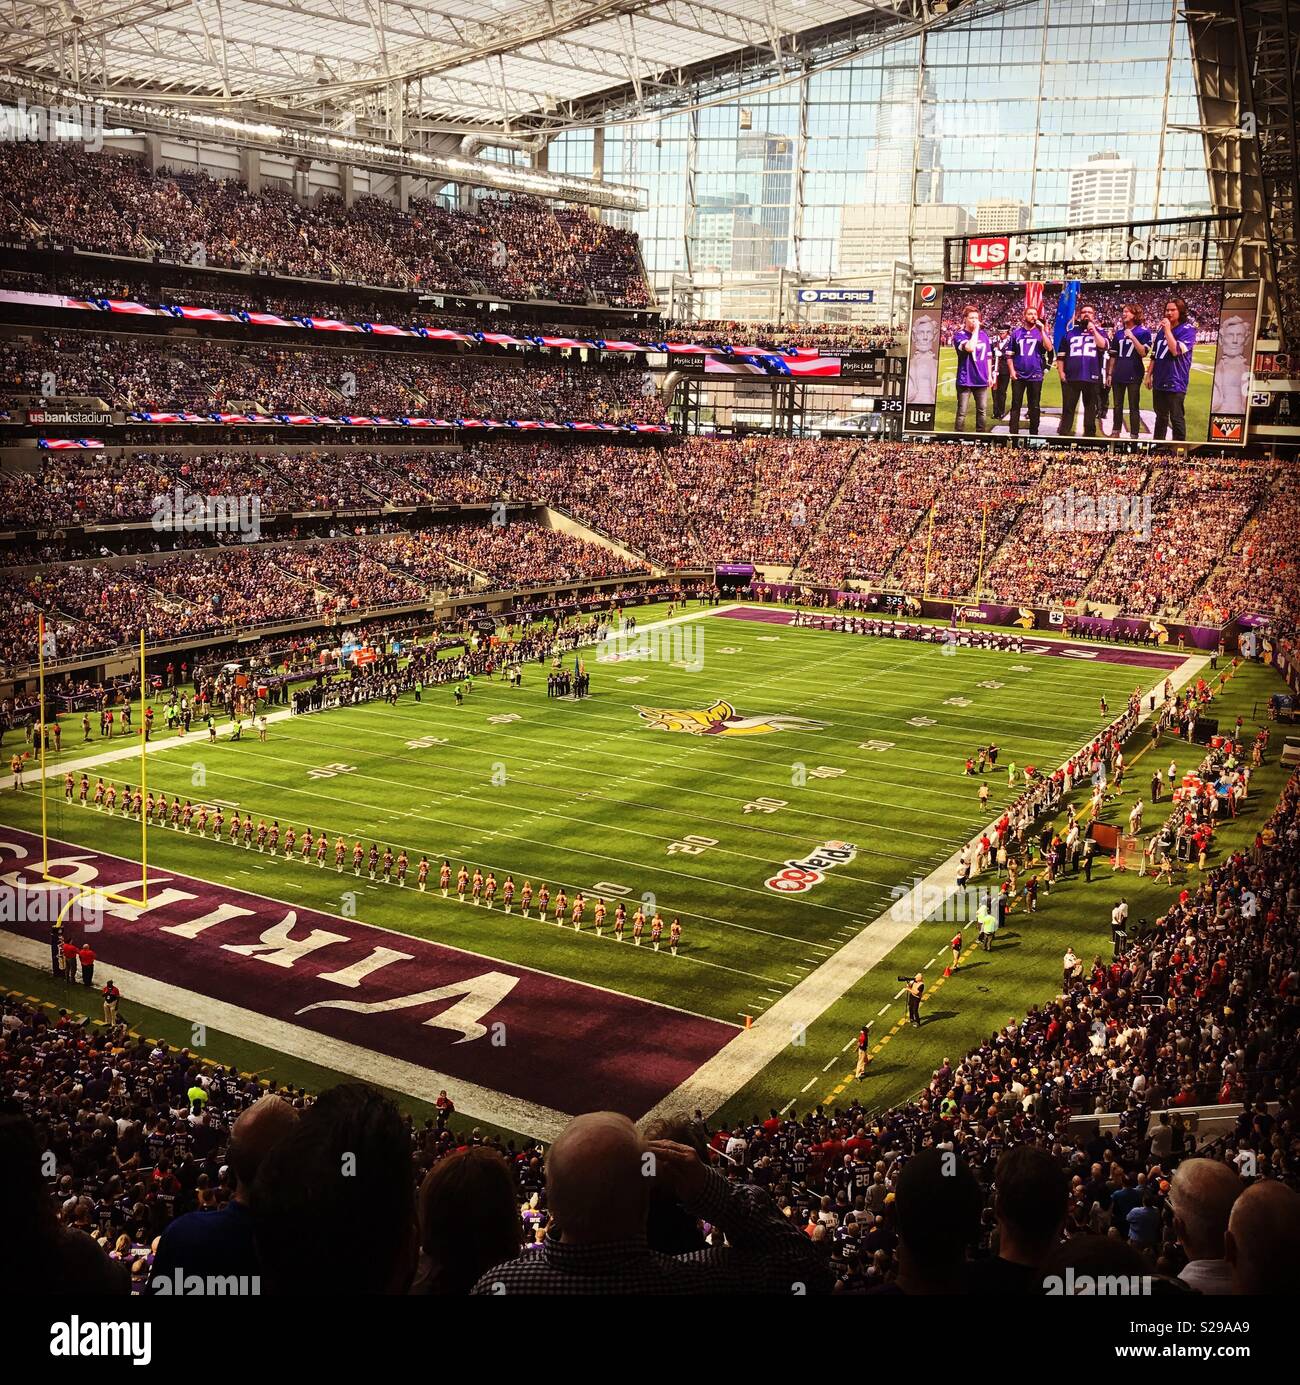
{"type": "Point", "coordinates": [558, 1043]}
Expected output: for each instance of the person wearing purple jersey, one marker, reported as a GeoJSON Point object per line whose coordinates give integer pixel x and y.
{"type": "Point", "coordinates": [1169, 371]}
{"type": "Point", "coordinates": [1080, 363]}
{"type": "Point", "coordinates": [1129, 348]}
{"type": "Point", "coordinates": [1001, 377]}
{"type": "Point", "coordinates": [1028, 353]}
{"type": "Point", "coordinates": [974, 349]}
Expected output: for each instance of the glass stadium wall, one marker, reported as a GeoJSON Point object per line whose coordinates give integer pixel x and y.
{"type": "Point", "coordinates": [1063, 112]}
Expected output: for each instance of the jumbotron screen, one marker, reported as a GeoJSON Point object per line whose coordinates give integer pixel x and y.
{"type": "Point", "coordinates": [1101, 361]}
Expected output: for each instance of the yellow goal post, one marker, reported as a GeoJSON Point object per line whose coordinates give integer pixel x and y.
{"type": "Point", "coordinates": [46, 644]}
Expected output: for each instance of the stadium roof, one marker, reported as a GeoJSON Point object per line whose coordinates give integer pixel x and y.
{"type": "Point", "coordinates": [395, 67]}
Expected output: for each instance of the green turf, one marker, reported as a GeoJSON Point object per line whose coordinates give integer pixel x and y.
{"type": "Point", "coordinates": [1197, 405]}
{"type": "Point", "coordinates": [587, 795]}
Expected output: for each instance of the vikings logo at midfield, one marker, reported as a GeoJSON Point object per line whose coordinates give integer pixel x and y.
{"type": "Point", "coordinates": [721, 720]}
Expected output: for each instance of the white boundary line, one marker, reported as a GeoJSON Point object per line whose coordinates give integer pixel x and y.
{"type": "Point", "coordinates": [718, 1079]}
{"type": "Point", "coordinates": [367, 1064]}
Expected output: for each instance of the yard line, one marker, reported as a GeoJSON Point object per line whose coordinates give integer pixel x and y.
{"type": "Point", "coordinates": [883, 1008]}
{"type": "Point", "coordinates": [830, 1063]}
{"type": "Point", "coordinates": [809, 1083]}
{"type": "Point", "coordinates": [743, 1058]}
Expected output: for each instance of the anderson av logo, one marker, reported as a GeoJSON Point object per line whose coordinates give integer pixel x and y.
{"type": "Point", "coordinates": [988, 252]}
{"type": "Point", "coordinates": [797, 876]}
{"type": "Point", "coordinates": [1226, 428]}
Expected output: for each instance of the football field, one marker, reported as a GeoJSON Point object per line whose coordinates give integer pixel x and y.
{"type": "Point", "coordinates": [699, 783]}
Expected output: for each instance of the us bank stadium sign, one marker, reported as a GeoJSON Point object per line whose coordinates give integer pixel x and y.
{"type": "Point", "coordinates": [68, 416]}
{"type": "Point", "coordinates": [997, 252]}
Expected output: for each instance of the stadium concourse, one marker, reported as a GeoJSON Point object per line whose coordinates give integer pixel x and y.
{"type": "Point", "coordinates": [913, 817]}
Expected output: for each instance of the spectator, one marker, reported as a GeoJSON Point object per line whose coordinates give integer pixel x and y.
{"type": "Point", "coordinates": [220, 1243]}
{"type": "Point", "coordinates": [469, 1220]}
{"type": "Point", "coordinates": [333, 1202]}
{"type": "Point", "coordinates": [41, 1256]}
{"type": "Point", "coordinates": [938, 1218]}
{"type": "Point", "coordinates": [1262, 1238]}
{"type": "Point", "coordinates": [1031, 1200]}
{"type": "Point", "coordinates": [598, 1175]}
{"type": "Point", "coordinates": [1201, 1197]}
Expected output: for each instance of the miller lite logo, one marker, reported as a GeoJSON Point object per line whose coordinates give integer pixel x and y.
{"type": "Point", "coordinates": [988, 252]}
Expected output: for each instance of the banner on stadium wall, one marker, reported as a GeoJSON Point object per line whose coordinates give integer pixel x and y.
{"type": "Point", "coordinates": [922, 389]}
{"type": "Point", "coordinates": [96, 418]}
{"type": "Point", "coordinates": [67, 444]}
{"type": "Point", "coordinates": [1234, 360]}
{"type": "Point", "coordinates": [249, 318]}
{"type": "Point", "coordinates": [773, 364]}
{"type": "Point", "coordinates": [1099, 627]}
{"type": "Point", "coordinates": [836, 295]}
{"type": "Point", "coordinates": [375, 421]}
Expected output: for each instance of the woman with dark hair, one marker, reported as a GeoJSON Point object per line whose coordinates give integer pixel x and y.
{"type": "Point", "coordinates": [1169, 370]}
{"type": "Point", "coordinates": [469, 1220]}
{"type": "Point", "coordinates": [1129, 348]}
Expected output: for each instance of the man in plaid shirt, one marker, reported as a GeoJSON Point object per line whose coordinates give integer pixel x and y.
{"type": "Point", "coordinates": [598, 1179]}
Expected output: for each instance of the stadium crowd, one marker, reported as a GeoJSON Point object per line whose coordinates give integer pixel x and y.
{"type": "Point", "coordinates": [519, 248]}
{"type": "Point", "coordinates": [986, 1184]}
{"type": "Point", "coordinates": [1158, 573]}
{"type": "Point", "coordinates": [825, 337]}
{"type": "Point", "coordinates": [168, 375]}
{"type": "Point", "coordinates": [96, 606]}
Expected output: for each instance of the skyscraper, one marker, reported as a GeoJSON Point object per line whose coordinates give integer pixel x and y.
{"type": "Point", "coordinates": [905, 150]}
{"type": "Point", "coordinates": [1102, 189]}
{"type": "Point", "coordinates": [1000, 216]}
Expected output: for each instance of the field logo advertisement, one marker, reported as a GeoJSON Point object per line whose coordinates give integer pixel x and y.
{"type": "Point", "coordinates": [796, 877]}
{"type": "Point", "coordinates": [722, 719]}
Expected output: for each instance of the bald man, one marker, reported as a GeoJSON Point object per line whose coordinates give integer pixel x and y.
{"type": "Point", "coordinates": [1201, 1197]}
{"type": "Point", "coordinates": [221, 1243]}
{"type": "Point", "coordinates": [599, 1176]}
{"type": "Point", "coordinates": [1263, 1241]}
